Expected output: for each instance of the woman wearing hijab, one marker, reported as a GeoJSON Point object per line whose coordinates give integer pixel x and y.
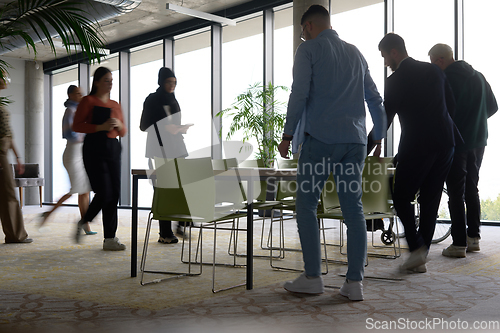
{"type": "Point", "coordinates": [161, 118]}
{"type": "Point", "coordinates": [102, 119]}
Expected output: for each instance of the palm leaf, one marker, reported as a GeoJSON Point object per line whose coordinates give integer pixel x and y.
{"type": "Point", "coordinates": [44, 17]}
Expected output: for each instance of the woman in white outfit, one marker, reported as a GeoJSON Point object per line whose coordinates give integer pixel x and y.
{"type": "Point", "coordinates": [73, 160]}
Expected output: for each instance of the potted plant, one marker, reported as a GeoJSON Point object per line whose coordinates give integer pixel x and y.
{"type": "Point", "coordinates": [257, 114]}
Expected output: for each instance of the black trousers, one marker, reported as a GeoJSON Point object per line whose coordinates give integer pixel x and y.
{"type": "Point", "coordinates": [102, 160]}
{"type": "Point", "coordinates": [425, 171]}
{"type": "Point", "coordinates": [462, 188]}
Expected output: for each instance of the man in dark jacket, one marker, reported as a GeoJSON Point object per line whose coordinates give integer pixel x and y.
{"type": "Point", "coordinates": [475, 103]}
{"type": "Point", "coordinates": [419, 94]}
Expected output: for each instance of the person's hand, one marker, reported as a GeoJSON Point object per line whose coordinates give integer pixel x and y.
{"type": "Point", "coordinates": [172, 128]}
{"type": "Point", "coordinates": [107, 126]}
{"type": "Point", "coordinates": [378, 150]}
{"type": "Point", "coordinates": [183, 129]}
{"type": "Point", "coordinates": [283, 148]}
{"type": "Point", "coordinates": [19, 167]}
{"type": "Point", "coordinates": [117, 123]}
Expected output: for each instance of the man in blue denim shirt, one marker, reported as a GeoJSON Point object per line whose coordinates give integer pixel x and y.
{"type": "Point", "coordinates": [331, 82]}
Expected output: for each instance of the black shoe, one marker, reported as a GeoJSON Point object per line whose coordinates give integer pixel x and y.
{"type": "Point", "coordinates": [24, 241]}
{"type": "Point", "coordinates": [180, 230]}
{"type": "Point", "coordinates": [168, 240]}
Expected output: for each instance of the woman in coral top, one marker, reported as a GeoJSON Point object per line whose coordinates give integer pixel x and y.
{"type": "Point", "coordinates": [102, 119]}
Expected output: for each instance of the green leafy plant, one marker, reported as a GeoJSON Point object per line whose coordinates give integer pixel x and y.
{"type": "Point", "coordinates": [4, 101]}
{"type": "Point", "coordinates": [66, 17]}
{"type": "Point", "coordinates": [257, 114]}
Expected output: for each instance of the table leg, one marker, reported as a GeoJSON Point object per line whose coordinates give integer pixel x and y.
{"type": "Point", "coordinates": [250, 236]}
{"type": "Point", "coordinates": [135, 183]}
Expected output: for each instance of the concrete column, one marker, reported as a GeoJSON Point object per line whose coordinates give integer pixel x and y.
{"type": "Point", "coordinates": [299, 8]}
{"type": "Point", "coordinates": [33, 124]}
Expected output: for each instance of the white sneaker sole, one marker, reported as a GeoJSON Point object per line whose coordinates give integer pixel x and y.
{"type": "Point", "coordinates": [349, 296]}
{"type": "Point", "coordinates": [308, 292]}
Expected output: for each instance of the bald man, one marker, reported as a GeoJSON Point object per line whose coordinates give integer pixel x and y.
{"type": "Point", "coordinates": [475, 103]}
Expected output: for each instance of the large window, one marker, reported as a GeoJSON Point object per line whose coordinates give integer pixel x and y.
{"type": "Point", "coordinates": [60, 179]}
{"type": "Point", "coordinates": [422, 24]}
{"type": "Point", "coordinates": [145, 64]}
{"type": "Point", "coordinates": [242, 64]}
{"type": "Point", "coordinates": [283, 51]}
{"type": "Point", "coordinates": [192, 66]}
{"type": "Point", "coordinates": [346, 24]}
{"type": "Point", "coordinates": [480, 50]}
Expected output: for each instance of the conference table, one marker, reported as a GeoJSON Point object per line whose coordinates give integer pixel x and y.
{"type": "Point", "coordinates": [249, 175]}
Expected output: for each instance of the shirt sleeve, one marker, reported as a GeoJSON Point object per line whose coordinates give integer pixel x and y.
{"type": "Point", "coordinates": [302, 75]}
{"type": "Point", "coordinates": [68, 133]}
{"type": "Point", "coordinates": [81, 121]}
{"type": "Point", "coordinates": [376, 108]}
{"type": "Point", "coordinates": [120, 116]}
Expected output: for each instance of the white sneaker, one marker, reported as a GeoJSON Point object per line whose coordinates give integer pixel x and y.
{"type": "Point", "coordinates": [417, 258]}
{"type": "Point", "coordinates": [454, 251]}
{"type": "Point", "coordinates": [353, 290]}
{"type": "Point", "coordinates": [418, 269]}
{"type": "Point", "coordinates": [113, 244]}
{"type": "Point", "coordinates": [305, 285]}
{"type": "Point", "coordinates": [472, 244]}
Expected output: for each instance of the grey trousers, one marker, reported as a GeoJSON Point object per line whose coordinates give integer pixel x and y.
{"type": "Point", "coordinates": [10, 211]}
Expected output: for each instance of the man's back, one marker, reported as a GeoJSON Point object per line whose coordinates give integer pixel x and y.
{"type": "Point", "coordinates": [334, 96]}
{"type": "Point", "coordinates": [475, 103]}
{"type": "Point", "coordinates": [419, 94]}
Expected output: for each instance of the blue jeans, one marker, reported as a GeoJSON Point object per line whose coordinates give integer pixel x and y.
{"type": "Point", "coordinates": [317, 160]}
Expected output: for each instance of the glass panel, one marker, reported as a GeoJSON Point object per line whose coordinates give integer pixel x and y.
{"type": "Point", "coordinates": [283, 52]}
{"type": "Point", "coordinates": [60, 179]}
{"type": "Point", "coordinates": [422, 24]}
{"type": "Point", "coordinates": [194, 86]}
{"type": "Point", "coordinates": [145, 65]}
{"type": "Point", "coordinates": [242, 65]}
{"type": "Point", "coordinates": [366, 40]}
{"type": "Point", "coordinates": [481, 20]}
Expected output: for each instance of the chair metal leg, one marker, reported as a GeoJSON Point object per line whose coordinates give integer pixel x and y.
{"type": "Point", "coordinates": [233, 243]}
{"type": "Point", "coordinates": [235, 238]}
{"type": "Point", "coordinates": [214, 263]}
{"type": "Point", "coordinates": [397, 253]}
{"type": "Point", "coordinates": [40, 189]}
{"type": "Point", "coordinates": [325, 260]}
{"type": "Point", "coordinates": [144, 257]}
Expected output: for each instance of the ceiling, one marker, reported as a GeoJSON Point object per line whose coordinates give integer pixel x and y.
{"type": "Point", "coordinates": [150, 15]}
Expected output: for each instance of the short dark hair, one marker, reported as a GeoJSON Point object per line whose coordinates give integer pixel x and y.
{"type": "Point", "coordinates": [71, 89]}
{"type": "Point", "coordinates": [315, 10]}
{"type": "Point", "coordinates": [392, 41]}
